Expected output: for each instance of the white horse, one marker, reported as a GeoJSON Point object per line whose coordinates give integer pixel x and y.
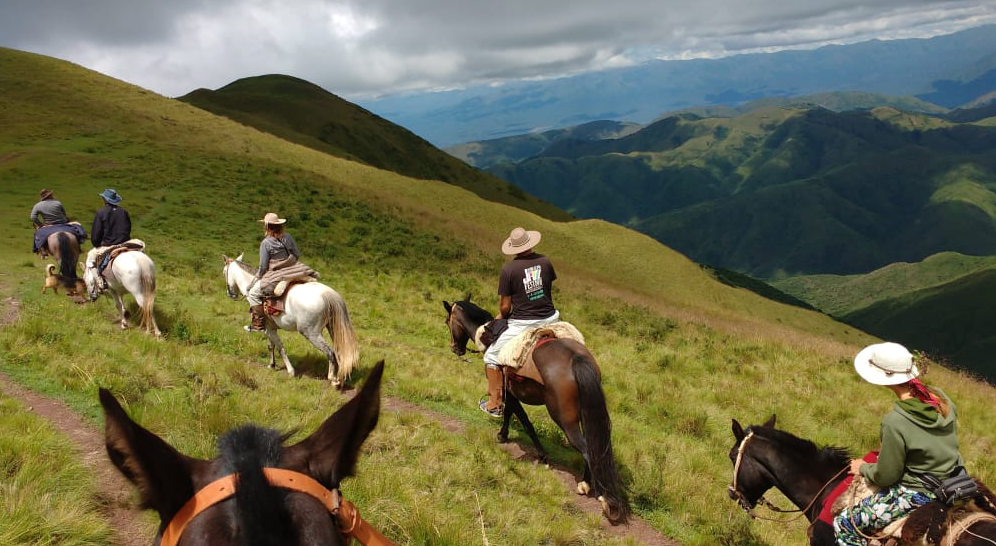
{"type": "Point", "coordinates": [310, 308]}
{"type": "Point", "coordinates": [131, 272]}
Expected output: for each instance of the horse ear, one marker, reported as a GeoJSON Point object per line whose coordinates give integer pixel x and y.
{"type": "Point", "coordinates": [161, 473]}
{"type": "Point", "coordinates": [226, 258]}
{"type": "Point", "coordinates": [770, 422]}
{"type": "Point", "coordinates": [738, 431]}
{"type": "Point", "coordinates": [467, 297]}
{"type": "Point", "coordinates": [330, 453]}
{"type": "Point", "coordinates": [448, 306]}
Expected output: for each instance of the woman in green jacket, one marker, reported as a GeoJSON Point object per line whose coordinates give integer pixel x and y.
{"type": "Point", "coordinates": [919, 436]}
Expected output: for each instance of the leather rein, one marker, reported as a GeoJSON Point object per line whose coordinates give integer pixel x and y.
{"type": "Point", "coordinates": [350, 522]}
{"type": "Point", "coordinates": [745, 504]}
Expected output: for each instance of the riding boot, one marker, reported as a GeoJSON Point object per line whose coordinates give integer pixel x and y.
{"type": "Point", "coordinates": [258, 323]}
{"type": "Point", "coordinates": [495, 398]}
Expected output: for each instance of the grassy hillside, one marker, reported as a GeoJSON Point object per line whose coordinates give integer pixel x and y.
{"type": "Point", "coordinates": [953, 321]}
{"type": "Point", "coordinates": [306, 114]}
{"type": "Point", "coordinates": [838, 295]}
{"type": "Point", "coordinates": [782, 192]}
{"type": "Point", "coordinates": [680, 353]}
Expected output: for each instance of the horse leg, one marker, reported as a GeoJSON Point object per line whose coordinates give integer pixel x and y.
{"type": "Point", "coordinates": [273, 357]}
{"type": "Point", "coordinates": [514, 406]}
{"type": "Point", "coordinates": [318, 341]}
{"type": "Point", "coordinates": [573, 432]}
{"type": "Point", "coordinates": [271, 332]}
{"type": "Point", "coordinates": [119, 303]}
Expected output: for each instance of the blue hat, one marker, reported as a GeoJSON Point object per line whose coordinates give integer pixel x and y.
{"type": "Point", "coordinates": [111, 197]}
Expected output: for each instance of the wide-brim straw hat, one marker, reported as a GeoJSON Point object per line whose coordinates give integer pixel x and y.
{"type": "Point", "coordinates": [520, 241]}
{"type": "Point", "coordinates": [886, 364]}
{"type": "Point", "coordinates": [45, 194]}
{"type": "Point", "coordinates": [272, 218]}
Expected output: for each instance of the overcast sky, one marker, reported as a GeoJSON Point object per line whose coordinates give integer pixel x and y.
{"type": "Point", "coordinates": [362, 49]}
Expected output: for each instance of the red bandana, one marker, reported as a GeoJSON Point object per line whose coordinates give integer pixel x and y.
{"type": "Point", "coordinates": [919, 390]}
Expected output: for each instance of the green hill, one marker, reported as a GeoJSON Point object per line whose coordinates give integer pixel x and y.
{"type": "Point", "coordinates": [781, 192]}
{"type": "Point", "coordinates": [306, 114]}
{"type": "Point", "coordinates": [680, 353]}
{"type": "Point", "coordinates": [838, 295]}
{"type": "Point", "coordinates": [953, 321]}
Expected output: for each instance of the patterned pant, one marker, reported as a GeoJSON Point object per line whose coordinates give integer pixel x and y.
{"type": "Point", "coordinates": [876, 512]}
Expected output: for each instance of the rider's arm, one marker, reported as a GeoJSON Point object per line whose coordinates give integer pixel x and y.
{"type": "Point", "coordinates": [891, 464]}
{"type": "Point", "coordinates": [97, 230]}
{"type": "Point", "coordinates": [504, 307]}
{"type": "Point", "coordinates": [264, 259]}
{"type": "Point", "coordinates": [34, 216]}
{"type": "Point", "coordinates": [291, 246]}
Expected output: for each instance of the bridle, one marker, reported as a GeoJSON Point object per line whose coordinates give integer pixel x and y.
{"type": "Point", "coordinates": [228, 285]}
{"type": "Point", "coordinates": [350, 522]}
{"type": "Point", "coordinates": [746, 505]}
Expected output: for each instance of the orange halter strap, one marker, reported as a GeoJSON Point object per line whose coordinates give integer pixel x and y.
{"type": "Point", "coordinates": [350, 522]}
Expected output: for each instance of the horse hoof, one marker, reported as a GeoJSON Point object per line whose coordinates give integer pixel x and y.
{"type": "Point", "coordinates": [605, 505]}
{"type": "Point", "coordinates": [502, 438]}
{"type": "Point", "coordinates": [583, 488]}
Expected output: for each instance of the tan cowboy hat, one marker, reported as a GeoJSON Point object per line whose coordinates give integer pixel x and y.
{"type": "Point", "coordinates": [45, 194]}
{"type": "Point", "coordinates": [520, 241]}
{"type": "Point", "coordinates": [272, 218]}
{"type": "Point", "coordinates": [886, 364]}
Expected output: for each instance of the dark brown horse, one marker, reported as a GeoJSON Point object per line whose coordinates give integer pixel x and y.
{"type": "Point", "coordinates": [65, 248]}
{"type": "Point", "coordinates": [257, 513]}
{"type": "Point", "coordinates": [572, 394]}
{"type": "Point", "coordinates": [805, 474]}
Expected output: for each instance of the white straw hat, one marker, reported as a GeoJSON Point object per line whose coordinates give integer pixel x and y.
{"type": "Point", "coordinates": [885, 364]}
{"type": "Point", "coordinates": [272, 218]}
{"type": "Point", "coordinates": [520, 241]}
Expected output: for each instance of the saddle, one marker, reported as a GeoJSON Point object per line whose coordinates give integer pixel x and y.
{"type": "Point", "coordinates": [933, 524]}
{"type": "Point", "coordinates": [274, 305]}
{"type": "Point", "coordinates": [516, 357]}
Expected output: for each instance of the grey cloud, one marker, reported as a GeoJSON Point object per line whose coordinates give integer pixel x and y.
{"type": "Point", "coordinates": [373, 47]}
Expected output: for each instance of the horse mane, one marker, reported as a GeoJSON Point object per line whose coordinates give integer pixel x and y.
{"type": "Point", "coordinates": [245, 267]}
{"type": "Point", "coordinates": [474, 312]}
{"type": "Point", "coordinates": [262, 515]}
{"type": "Point", "coordinates": [830, 456]}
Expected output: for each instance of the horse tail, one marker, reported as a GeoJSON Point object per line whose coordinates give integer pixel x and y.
{"type": "Point", "coordinates": [597, 429]}
{"type": "Point", "coordinates": [67, 259]}
{"type": "Point", "coordinates": [344, 343]}
{"type": "Point", "coordinates": [147, 276]}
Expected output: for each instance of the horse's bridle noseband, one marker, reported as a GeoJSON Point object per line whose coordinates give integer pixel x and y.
{"type": "Point", "coordinates": [228, 286]}
{"type": "Point", "coordinates": [350, 522]}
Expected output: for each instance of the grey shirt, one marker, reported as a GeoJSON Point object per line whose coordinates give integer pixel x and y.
{"type": "Point", "coordinates": [276, 249]}
{"type": "Point", "coordinates": [50, 211]}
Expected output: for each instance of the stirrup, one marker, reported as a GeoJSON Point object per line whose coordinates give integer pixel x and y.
{"type": "Point", "coordinates": [483, 405]}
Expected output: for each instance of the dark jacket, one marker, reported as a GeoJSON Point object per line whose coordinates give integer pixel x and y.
{"type": "Point", "coordinates": [111, 226]}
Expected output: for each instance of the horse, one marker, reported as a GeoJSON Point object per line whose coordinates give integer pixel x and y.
{"type": "Point", "coordinates": [65, 248]}
{"type": "Point", "coordinates": [764, 457]}
{"type": "Point", "coordinates": [573, 397]}
{"type": "Point", "coordinates": [309, 309]}
{"type": "Point", "coordinates": [257, 491]}
{"type": "Point", "coordinates": [131, 272]}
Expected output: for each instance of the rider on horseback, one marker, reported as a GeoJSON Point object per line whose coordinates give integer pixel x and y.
{"type": "Point", "coordinates": [48, 217]}
{"type": "Point", "coordinates": [526, 301]}
{"type": "Point", "coordinates": [278, 261]}
{"type": "Point", "coordinates": [919, 437]}
{"type": "Point", "coordinates": [111, 226]}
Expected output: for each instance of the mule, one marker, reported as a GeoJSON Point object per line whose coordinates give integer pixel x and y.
{"type": "Point", "coordinates": [309, 309]}
{"type": "Point", "coordinates": [130, 272]}
{"type": "Point", "coordinates": [65, 248]}
{"type": "Point", "coordinates": [573, 397]}
{"type": "Point", "coordinates": [805, 474]}
{"type": "Point", "coordinates": [257, 508]}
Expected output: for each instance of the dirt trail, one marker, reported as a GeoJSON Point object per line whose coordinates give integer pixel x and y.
{"type": "Point", "coordinates": [636, 527]}
{"type": "Point", "coordinates": [115, 492]}
{"type": "Point", "coordinates": [126, 521]}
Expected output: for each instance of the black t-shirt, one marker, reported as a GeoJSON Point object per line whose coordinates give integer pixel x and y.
{"type": "Point", "coordinates": [528, 279]}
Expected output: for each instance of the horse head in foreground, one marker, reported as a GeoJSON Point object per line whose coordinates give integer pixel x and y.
{"type": "Point", "coordinates": [764, 457]}
{"type": "Point", "coordinates": [309, 309]}
{"type": "Point", "coordinates": [257, 492]}
{"type": "Point", "coordinates": [571, 390]}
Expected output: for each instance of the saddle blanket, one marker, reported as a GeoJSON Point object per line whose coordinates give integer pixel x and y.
{"type": "Point", "coordinates": [42, 233]}
{"type": "Point", "coordinates": [275, 305]}
{"type": "Point", "coordinates": [519, 350]}
{"type": "Point", "coordinates": [956, 520]}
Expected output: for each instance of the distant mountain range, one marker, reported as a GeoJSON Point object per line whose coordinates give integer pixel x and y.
{"type": "Point", "coordinates": [784, 191]}
{"type": "Point", "coordinates": [306, 114]}
{"type": "Point", "coordinates": [949, 71]}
